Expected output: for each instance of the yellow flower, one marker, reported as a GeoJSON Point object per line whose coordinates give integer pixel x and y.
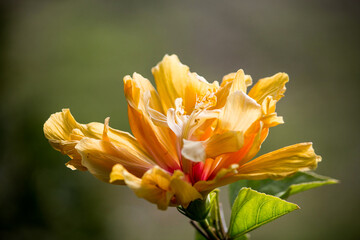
{"type": "Point", "coordinates": [190, 136]}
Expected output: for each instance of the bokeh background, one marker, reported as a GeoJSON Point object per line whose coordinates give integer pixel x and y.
{"type": "Point", "coordinates": [74, 54]}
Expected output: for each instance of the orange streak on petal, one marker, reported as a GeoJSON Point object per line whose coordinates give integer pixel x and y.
{"type": "Point", "coordinates": [206, 170]}
{"type": "Point", "coordinates": [146, 136]}
{"type": "Point", "coordinates": [228, 159]}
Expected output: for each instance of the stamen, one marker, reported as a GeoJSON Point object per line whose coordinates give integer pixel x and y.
{"type": "Point", "coordinates": [206, 100]}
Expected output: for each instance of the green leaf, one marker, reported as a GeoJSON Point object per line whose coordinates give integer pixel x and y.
{"type": "Point", "coordinates": [252, 209]}
{"type": "Point", "coordinates": [242, 237]}
{"type": "Point", "coordinates": [299, 182]}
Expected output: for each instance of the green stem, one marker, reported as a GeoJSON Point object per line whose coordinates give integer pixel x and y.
{"type": "Point", "coordinates": [223, 227]}
{"type": "Point", "coordinates": [218, 222]}
{"type": "Point", "coordinates": [206, 227]}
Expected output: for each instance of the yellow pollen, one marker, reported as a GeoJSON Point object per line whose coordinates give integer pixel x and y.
{"type": "Point", "coordinates": [206, 100]}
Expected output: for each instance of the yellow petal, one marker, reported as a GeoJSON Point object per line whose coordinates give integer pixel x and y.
{"type": "Point", "coordinates": [271, 86]}
{"type": "Point", "coordinates": [228, 78]}
{"type": "Point", "coordinates": [116, 175]}
{"type": "Point", "coordinates": [217, 144]}
{"type": "Point", "coordinates": [231, 76]}
{"type": "Point", "coordinates": [270, 118]}
{"type": "Point", "coordinates": [231, 83]}
{"type": "Point", "coordinates": [222, 94]}
{"type": "Point", "coordinates": [281, 163]}
{"type": "Point", "coordinates": [157, 117]}
{"type": "Point", "coordinates": [184, 192]}
{"type": "Point", "coordinates": [239, 113]}
{"type": "Point", "coordinates": [64, 133]}
{"type": "Point", "coordinates": [274, 165]}
{"type": "Point", "coordinates": [229, 141]}
{"type": "Point", "coordinates": [60, 126]}
{"type": "Point", "coordinates": [174, 80]}
{"type": "Point", "coordinates": [239, 82]}
{"type": "Point", "coordinates": [197, 123]}
{"type": "Point", "coordinates": [158, 186]}
{"type": "Point", "coordinates": [157, 140]}
{"type": "Point", "coordinates": [99, 156]}
{"type": "Point", "coordinates": [135, 90]}
{"type": "Point", "coordinates": [153, 186]}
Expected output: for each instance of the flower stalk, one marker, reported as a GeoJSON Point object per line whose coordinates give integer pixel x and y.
{"type": "Point", "coordinates": [207, 216]}
{"type": "Point", "coordinates": [211, 235]}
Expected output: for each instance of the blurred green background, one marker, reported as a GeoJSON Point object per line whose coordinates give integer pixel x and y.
{"type": "Point", "coordinates": [57, 54]}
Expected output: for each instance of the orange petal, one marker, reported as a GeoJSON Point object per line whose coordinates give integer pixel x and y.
{"type": "Point", "coordinates": [229, 141]}
{"type": "Point", "coordinates": [157, 140]}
